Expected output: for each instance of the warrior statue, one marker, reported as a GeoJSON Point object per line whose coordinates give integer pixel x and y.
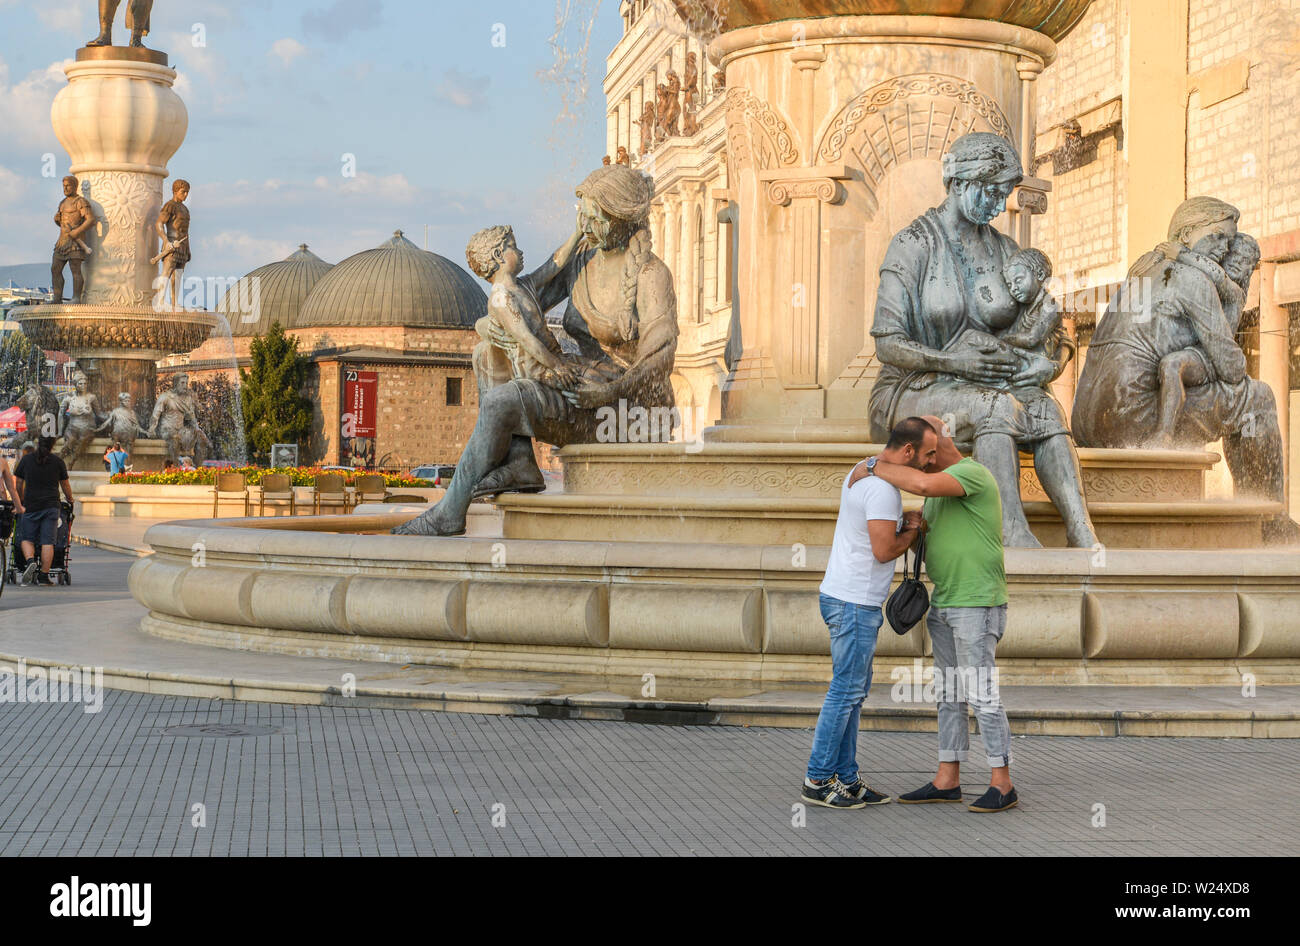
{"type": "Point", "coordinates": [83, 417]}
{"type": "Point", "coordinates": [122, 425]}
{"type": "Point", "coordinates": [137, 21]}
{"type": "Point", "coordinates": [173, 228]}
{"type": "Point", "coordinates": [73, 218]}
{"type": "Point", "coordinates": [176, 422]}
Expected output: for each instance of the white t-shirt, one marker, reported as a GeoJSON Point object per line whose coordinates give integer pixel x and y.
{"type": "Point", "coordinates": [852, 573]}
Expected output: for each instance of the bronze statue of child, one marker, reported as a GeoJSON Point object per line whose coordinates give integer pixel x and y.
{"type": "Point", "coordinates": [515, 323]}
{"type": "Point", "coordinates": [1037, 324]}
{"type": "Point", "coordinates": [1190, 367]}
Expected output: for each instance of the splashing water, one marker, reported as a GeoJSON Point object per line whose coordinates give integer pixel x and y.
{"type": "Point", "coordinates": [222, 331]}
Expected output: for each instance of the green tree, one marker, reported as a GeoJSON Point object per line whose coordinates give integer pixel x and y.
{"type": "Point", "coordinates": [20, 365]}
{"type": "Point", "coordinates": [275, 410]}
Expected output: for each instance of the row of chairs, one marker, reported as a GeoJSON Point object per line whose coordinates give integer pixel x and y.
{"type": "Point", "coordinates": [328, 489]}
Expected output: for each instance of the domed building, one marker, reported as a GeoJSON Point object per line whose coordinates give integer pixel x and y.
{"type": "Point", "coordinates": [390, 336]}
{"type": "Point", "coordinates": [272, 293]}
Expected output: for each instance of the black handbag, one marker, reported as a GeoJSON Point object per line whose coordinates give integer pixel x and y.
{"type": "Point", "coordinates": [909, 602]}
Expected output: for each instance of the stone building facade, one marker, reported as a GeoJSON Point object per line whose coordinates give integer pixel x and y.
{"type": "Point", "coordinates": [691, 222]}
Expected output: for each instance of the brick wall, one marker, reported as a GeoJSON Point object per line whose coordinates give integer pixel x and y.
{"type": "Point", "coordinates": [1246, 149]}
{"type": "Point", "coordinates": [1081, 231]}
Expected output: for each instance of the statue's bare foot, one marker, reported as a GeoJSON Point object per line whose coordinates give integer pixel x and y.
{"type": "Point", "coordinates": [432, 522]}
{"type": "Point", "coordinates": [520, 475]}
{"type": "Point", "coordinates": [101, 40]}
{"type": "Point", "coordinates": [1019, 537]}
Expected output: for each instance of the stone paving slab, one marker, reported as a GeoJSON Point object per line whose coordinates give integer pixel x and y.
{"type": "Point", "coordinates": [335, 781]}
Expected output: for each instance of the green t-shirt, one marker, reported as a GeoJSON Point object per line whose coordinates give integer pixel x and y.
{"type": "Point", "coordinates": [963, 548]}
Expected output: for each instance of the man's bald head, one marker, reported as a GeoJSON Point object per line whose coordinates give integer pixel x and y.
{"type": "Point", "coordinates": [947, 454]}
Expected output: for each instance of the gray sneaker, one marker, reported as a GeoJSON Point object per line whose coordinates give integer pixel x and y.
{"type": "Point", "coordinates": [29, 573]}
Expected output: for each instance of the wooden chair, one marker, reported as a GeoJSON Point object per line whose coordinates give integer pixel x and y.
{"type": "Point", "coordinates": [277, 488]}
{"type": "Point", "coordinates": [229, 486]}
{"type": "Point", "coordinates": [329, 488]}
{"type": "Point", "coordinates": [369, 488]}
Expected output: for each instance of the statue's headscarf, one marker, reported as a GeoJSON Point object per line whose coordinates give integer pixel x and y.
{"type": "Point", "coordinates": [982, 156]}
{"type": "Point", "coordinates": [622, 192]}
{"type": "Point", "coordinates": [1200, 212]}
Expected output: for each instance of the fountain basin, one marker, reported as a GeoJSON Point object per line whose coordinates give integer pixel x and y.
{"type": "Point", "coordinates": [325, 586]}
{"type": "Point", "coordinates": [1054, 18]}
{"type": "Point", "coordinates": [118, 347]}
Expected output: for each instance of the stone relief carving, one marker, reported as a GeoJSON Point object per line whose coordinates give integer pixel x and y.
{"type": "Point", "coordinates": [745, 111]}
{"type": "Point", "coordinates": [124, 202]}
{"type": "Point", "coordinates": [612, 479]}
{"type": "Point", "coordinates": [922, 85]}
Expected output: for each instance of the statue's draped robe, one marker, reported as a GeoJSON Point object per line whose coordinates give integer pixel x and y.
{"type": "Point", "coordinates": [923, 298]}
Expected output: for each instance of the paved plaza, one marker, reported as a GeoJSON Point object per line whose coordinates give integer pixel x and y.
{"type": "Point", "coordinates": [337, 780]}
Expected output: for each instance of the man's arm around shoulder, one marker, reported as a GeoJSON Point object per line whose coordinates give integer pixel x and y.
{"type": "Point", "coordinates": [918, 482]}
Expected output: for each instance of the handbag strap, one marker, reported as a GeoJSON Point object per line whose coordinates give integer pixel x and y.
{"type": "Point", "coordinates": [919, 551]}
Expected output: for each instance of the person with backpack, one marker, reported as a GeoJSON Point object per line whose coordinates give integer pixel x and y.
{"type": "Point", "coordinates": [870, 533]}
{"type": "Point", "coordinates": [968, 614]}
{"type": "Point", "coordinates": [39, 477]}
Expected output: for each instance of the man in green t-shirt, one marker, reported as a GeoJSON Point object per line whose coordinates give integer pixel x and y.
{"type": "Point", "coordinates": [968, 614]}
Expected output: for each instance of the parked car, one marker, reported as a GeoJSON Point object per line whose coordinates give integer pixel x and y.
{"type": "Point", "coordinates": [440, 473]}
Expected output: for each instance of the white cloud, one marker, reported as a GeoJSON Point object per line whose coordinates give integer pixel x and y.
{"type": "Point", "coordinates": [462, 90]}
{"type": "Point", "coordinates": [69, 16]}
{"type": "Point", "coordinates": [287, 50]}
{"type": "Point", "coordinates": [25, 106]}
{"type": "Point", "coordinates": [11, 186]}
{"type": "Point", "coordinates": [243, 249]}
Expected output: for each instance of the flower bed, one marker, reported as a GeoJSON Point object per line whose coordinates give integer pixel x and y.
{"type": "Point", "coordinates": [299, 475]}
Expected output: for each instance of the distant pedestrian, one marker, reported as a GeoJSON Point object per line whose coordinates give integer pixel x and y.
{"type": "Point", "coordinates": [870, 533]}
{"type": "Point", "coordinates": [117, 458]}
{"type": "Point", "coordinates": [9, 490]}
{"type": "Point", "coordinates": [968, 615]}
{"type": "Point", "coordinates": [40, 476]}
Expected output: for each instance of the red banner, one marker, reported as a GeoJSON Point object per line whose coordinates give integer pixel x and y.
{"type": "Point", "coordinates": [357, 418]}
{"type": "Point", "coordinates": [360, 402]}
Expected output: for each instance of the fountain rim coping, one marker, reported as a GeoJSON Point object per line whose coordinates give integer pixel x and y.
{"type": "Point", "coordinates": [94, 311]}
{"type": "Point", "coordinates": [888, 28]}
{"type": "Point", "coordinates": [830, 451]}
{"type": "Point", "coordinates": [311, 541]}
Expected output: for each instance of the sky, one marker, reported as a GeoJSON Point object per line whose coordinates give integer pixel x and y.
{"type": "Point", "coordinates": [460, 115]}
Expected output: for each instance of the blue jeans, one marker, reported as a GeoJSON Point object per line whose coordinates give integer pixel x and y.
{"type": "Point", "coordinates": [853, 630]}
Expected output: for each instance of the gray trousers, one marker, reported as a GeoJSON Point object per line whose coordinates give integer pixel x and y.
{"type": "Point", "coordinates": [964, 672]}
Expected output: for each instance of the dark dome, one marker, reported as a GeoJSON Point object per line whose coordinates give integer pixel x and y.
{"type": "Point", "coordinates": [277, 294]}
{"type": "Point", "coordinates": [396, 283]}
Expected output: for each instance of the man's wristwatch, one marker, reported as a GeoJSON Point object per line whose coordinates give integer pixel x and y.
{"type": "Point", "coordinates": [871, 464]}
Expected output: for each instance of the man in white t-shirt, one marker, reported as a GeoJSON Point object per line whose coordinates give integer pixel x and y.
{"type": "Point", "coordinates": [870, 533]}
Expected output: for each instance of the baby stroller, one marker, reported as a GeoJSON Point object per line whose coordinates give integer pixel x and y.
{"type": "Point", "coordinates": [59, 570]}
